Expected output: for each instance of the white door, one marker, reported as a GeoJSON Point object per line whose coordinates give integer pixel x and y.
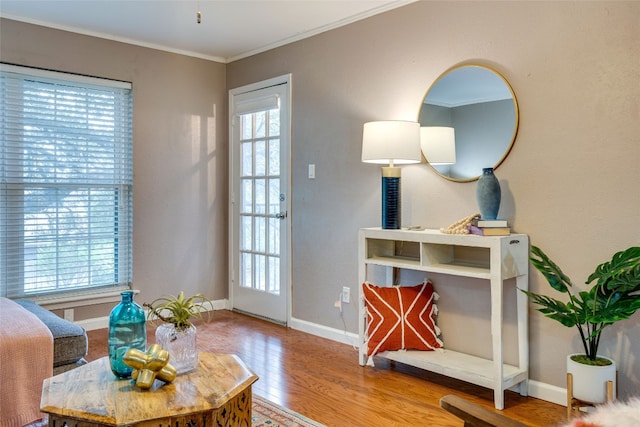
{"type": "Point", "coordinates": [259, 220]}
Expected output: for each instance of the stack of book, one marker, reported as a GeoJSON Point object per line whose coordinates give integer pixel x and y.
{"type": "Point", "coordinates": [490, 227]}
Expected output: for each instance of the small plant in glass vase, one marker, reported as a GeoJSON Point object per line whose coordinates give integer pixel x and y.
{"type": "Point", "coordinates": [177, 334]}
{"type": "Point", "coordinates": [614, 295]}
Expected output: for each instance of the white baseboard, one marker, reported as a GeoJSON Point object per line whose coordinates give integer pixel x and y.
{"type": "Point", "coordinates": [536, 389]}
{"type": "Point", "coordinates": [93, 324]}
{"type": "Point", "coordinates": [548, 392]}
{"type": "Point", "coordinates": [103, 322]}
{"type": "Point", "coordinates": [324, 331]}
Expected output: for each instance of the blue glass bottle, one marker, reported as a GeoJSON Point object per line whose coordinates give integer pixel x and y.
{"type": "Point", "coordinates": [127, 329]}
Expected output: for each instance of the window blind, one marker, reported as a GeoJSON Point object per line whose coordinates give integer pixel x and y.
{"type": "Point", "coordinates": [247, 105]}
{"type": "Point", "coordinates": [66, 182]}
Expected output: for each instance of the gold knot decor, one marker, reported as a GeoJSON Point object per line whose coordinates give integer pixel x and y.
{"type": "Point", "coordinates": [149, 365]}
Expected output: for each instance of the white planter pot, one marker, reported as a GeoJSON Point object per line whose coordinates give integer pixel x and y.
{"type": "Point", "coordinates": [590, 382]}
{"type": "Point", "coordinates": [181, 345]}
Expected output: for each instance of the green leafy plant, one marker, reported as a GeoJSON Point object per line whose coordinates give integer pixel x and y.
{"type": "Point", "coordinates": [179, 310]}
{"type": "Point", "coordinates": [614, 295]}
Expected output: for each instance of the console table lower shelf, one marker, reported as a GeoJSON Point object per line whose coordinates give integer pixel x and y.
{"type": "Point", "coordinates": [461, 366]}
{"type": "Point", "coordinates": [216, 393]}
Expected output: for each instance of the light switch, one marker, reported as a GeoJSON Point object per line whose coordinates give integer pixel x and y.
{"type": "Point", "coordinates": [312, 171]}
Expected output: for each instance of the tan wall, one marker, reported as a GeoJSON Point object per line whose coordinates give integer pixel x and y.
{"type": "Point", "coordinates": [180, 155]}
{"type": "Point", "coordinates": [570, 182]}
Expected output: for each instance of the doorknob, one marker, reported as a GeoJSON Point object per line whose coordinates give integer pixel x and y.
{"type": "Point", "coordinates": [281, 215]}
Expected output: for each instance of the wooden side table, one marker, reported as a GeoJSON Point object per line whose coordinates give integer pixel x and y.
{"type": "Point", "coordinates": [216, 393]}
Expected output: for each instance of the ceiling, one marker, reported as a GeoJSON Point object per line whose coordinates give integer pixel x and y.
{"type": "Point", "coordinates": [229, 29]}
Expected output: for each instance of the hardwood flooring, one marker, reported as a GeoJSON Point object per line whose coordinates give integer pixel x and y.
{"type": "Point", "coordinates": [322, 379]}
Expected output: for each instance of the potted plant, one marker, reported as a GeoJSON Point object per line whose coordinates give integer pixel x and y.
{"type": "Point", "coordinates": [177, 334]}
{"type": "Point", "coordinates": [614, 295]}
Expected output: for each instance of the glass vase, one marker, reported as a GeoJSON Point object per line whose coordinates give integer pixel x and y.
{"type": "Point", "coordinates": [127, 329]}
{"type": "Point", "coordinates": [488, 194]}
{"type": "Point", "coordinates": [181, 345]}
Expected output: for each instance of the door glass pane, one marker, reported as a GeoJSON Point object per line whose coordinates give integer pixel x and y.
{"type": "Point", "coordinates": [246, 205]}
{"type": "Point", "coordinates": [274, 196]}
{"type": "Point", "coordinates": [260, 271]}
{"type": "Point", "coordinates": [274, 123]}
{"type": "Point", "coordinates": [246, 156]}
{"type": "Point", "coordinates": [261, 198]}
{"type": "Point", "coordinates": [261, 158]}
{"type": "Point", "coordinates": [273, 282]}
{"type": "Point", "coordinates": [260, 234]}
{"type": "Point", "coordinates": [274, 157]}
{"type": "Point", "coordinates": [246, 233]}
{"type": "Point", "coordinates": [246, 132]}
{"type": "Point", "coordinates": [246, 276]}
{"type": "Point", "coordinates": [260, 127]}
{"type": "Point", "coordinates": [273, 246]}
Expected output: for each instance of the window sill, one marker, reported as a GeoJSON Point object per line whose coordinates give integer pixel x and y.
{"type": "Point", "coordinates": [61, 302]}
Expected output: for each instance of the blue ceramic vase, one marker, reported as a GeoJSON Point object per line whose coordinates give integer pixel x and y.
{"type": "Point", "coordinates": [127, 329]}
{"type": "Point", "coordinates": [488, 194]}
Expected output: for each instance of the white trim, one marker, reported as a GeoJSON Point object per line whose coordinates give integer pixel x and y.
{"type": "Point", "coordinates": [95, 323]}
{"type": "Point", "coordinates": [225, 60]}
{"type": "Point", "coordinates": [60, 75]}
{"type": "Point", "coordinates": [106, 36]}
{"type": "Point", "coordinates": [322, 331]}
{"type": "Point", "coordinates": [285, 96]}
{"type": "Point", "coordinates": [535, 389]}
{"type": "Point", "coordinates": [103, 322]}
{"type": "Point", "coordinates": [306, 34]}
{"type": "Point", "coordinates": [548, 392]}
{"type": "Point", "coordinates": [80, 299]}
{"type": "Point", "coordinates": [274, 81]}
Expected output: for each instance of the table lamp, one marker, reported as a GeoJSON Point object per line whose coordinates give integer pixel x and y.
{"type": "Point", "coordinates": [438, 144]}
{"type": "Point", "coordinates": [393, 142]}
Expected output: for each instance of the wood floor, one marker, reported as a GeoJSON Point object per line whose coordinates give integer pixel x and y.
{"type": "Point", "coordinates": [322, 379]}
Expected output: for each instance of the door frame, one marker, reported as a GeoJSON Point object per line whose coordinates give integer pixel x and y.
{"type": "Point", "coordinates": [233, 231]}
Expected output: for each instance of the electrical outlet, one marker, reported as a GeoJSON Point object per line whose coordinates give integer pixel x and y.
{"type": "Point", "coordinates": [346, 294]}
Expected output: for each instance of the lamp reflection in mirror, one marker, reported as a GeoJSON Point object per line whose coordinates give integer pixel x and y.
{"type": "Point", "coordinates": [438, 144]}
{"type": "Point", "coordinates": [393, 142]}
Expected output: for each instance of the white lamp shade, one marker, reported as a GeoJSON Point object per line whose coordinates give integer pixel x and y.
{"type": "Point", "coordinates": [391, 141]}
{"type": "Point", "coordinates": [438, 145]}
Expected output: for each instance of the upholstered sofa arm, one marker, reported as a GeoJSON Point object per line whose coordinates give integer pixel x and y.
{"type": "Point", "coordinates": [70, 343]}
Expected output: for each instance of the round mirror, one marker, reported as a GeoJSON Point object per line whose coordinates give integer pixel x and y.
{"type": "Point", "coordinates": [478, 108]}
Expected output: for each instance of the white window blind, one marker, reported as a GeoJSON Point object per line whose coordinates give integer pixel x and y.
{"type": "Point", "coordinates": [244, 104]}
{"type": "Point", "coordinates": [65, 183]}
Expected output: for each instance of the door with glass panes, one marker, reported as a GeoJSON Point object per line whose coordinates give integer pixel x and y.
{"type": "Point", "coordinates": [259, 194]}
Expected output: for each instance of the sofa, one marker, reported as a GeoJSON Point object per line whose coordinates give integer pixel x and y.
{"type": "Point", "coordinates": [34, 344]}
{"type": "Point", "coordinates": [70, 343]}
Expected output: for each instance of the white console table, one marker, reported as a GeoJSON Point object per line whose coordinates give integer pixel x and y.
{"type": "Point", "coordinates": [493, 258]}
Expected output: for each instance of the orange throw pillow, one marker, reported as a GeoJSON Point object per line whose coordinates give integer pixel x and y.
{"type": "Point", "coordinates": [400, 318]}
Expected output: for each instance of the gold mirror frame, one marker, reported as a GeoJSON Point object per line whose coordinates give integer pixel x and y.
{"type": "Point", "coordinates": [506, 141]}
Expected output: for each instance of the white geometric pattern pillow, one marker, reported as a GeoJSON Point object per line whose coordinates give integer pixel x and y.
{"type": "Point", "coordinates": [401, 318]}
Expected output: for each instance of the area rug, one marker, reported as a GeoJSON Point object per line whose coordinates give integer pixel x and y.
{"type": "Point", "coordinates": [264, 414]}
{"type": "Point", "coordinates": [268, 414]}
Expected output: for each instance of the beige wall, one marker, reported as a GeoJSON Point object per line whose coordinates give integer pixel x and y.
{"type": "Point", "coordinates": [180, 155]}
{"type": "Point", "coordinates": [570, 181]}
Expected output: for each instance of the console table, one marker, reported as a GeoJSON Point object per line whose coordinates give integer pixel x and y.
{"type": "Point", "coordinates": [492, 258]}
{"type": "Point", "coordinates": [216, 393]}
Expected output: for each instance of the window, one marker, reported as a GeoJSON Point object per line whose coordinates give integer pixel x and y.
{"type": "Point", "coordinates": [65, 183]}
